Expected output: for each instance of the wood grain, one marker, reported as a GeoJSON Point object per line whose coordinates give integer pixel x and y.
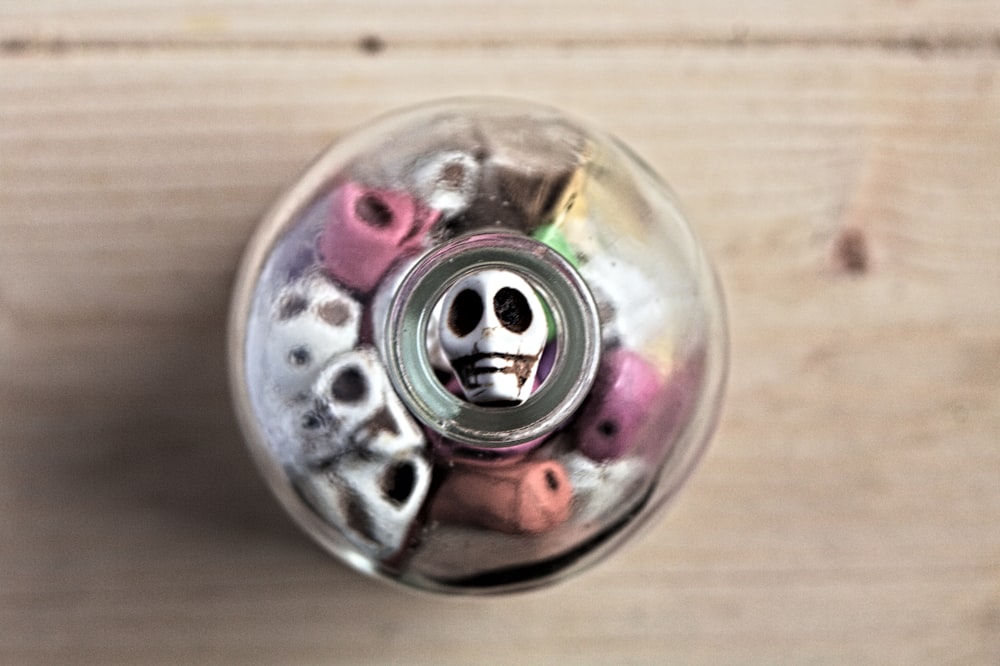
{"type": "Point", "coordinates": [905, 24]}
{"type": "Point", "coordinates": [849, 509]}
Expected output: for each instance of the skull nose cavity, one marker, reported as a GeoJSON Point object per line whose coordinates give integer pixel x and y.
{"type": "Point", "coordinates": [299, 356]}
{"type": "Point", "coordinates": [399, 482]}
{"type": "Point", "coordinates": [512, 309]}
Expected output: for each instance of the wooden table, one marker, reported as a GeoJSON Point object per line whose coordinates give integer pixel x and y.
{"type": "Point", "coordinates": [840, 160]}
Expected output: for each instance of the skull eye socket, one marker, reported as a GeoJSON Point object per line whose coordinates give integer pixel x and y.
{"type": "Point", "coordinates": [335, 313]}
{"type": "Point", "coordinates": [452, 176]}
{"type": "Point", "coordinates": [292, 305]}
{"type": "Point", "coordinates": [512, 310]}
{"type": "Point", "coordinates": [465, 313]}
{"type": "Point", "coordinates": [350, 385]}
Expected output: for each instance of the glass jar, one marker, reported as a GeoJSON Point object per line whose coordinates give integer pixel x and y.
{"type": "Point", "coordinates": [476, 346]}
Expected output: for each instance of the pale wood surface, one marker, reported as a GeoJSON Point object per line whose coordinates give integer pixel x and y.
{"type": "Point", "coordinates": [462, 24]}
{"type": "Point", "coordinates": [841, 161]}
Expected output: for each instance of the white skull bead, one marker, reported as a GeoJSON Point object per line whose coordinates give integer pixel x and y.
{"type": "Point", "coordinates": [371, 499]}
{"type": "Point", "coordinates": [492, 331]}
{"type": "Point", "coordinates": [363, 456]}
{"type": "Point", "coordinates": [639, 304]}
{"type": "Point", "coordinates": [599, 487]}
{"type": "Point", "coordinates": [353, 408]}
{"type": "Point", "coordinates": [447, 181]}
{"type": "Point", "coordinates": [312, 320]}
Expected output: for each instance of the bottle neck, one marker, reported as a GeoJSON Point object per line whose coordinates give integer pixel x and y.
{"type": "Point", "coordinates": [574, 335]}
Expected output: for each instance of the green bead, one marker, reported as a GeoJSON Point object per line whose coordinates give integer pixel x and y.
{"type": "Point", "coordinates": [551, 235]}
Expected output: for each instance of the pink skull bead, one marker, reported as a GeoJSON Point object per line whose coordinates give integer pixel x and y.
{"type": "Point", "coordinates": [626, 392]}
{"type": "Point", "coordinates": [527, 498]}
{"type": "Point", "coordinates": [369, 229]}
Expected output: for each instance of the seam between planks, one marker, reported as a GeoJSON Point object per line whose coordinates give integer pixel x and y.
{"type": "Point", "coordinates": [914, 43]}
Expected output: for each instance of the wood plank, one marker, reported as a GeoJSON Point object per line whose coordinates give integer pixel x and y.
{"type": "Point", "coordinates": [916, 24]}
{"type": "Point", "coordinates": [848, 510]}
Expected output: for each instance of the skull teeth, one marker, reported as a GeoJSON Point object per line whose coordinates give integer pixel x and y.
{"type": "Point", "coordinates": [470, 367]}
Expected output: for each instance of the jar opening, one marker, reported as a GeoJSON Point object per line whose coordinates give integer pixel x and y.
{"type": "Point", "coordinates": [509, 349]}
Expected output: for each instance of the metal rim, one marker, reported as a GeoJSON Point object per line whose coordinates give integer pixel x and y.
{"type": "Point", "coordinates": [577, 335]}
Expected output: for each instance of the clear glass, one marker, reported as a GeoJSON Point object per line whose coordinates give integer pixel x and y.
{"type": "Point", "coordinates": [347, 368]}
